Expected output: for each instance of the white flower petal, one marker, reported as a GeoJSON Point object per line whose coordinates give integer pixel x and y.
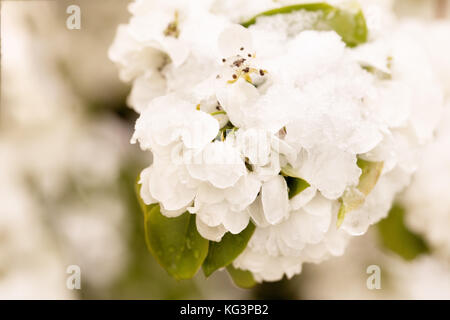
{"type": "Point", "coordinates": [219, 163]}
{"type": "Point", "coordinates": [206, 193]}
{"type": "Point", "coordinates": [144, 181]}
{"type": "Point", "coordinates": [257, 213]}
{"type": "Point", "coordinates": [145, 88]}
{"type": "Point", "coordinates": [210, 233]}
{"type": "Point", "coordinates": [233, 38]}
{"type": "Point", "coordinates": [235, 222]}
{"type": "Point", "coordinates": [166, 187]}
{"type": "Point", "coordinates": [275, 202]}
{"type": "Point", "coordinates": [238, 100]}
{"type": "Point", "coordinates": [302, 198]}
{"type": "Point", "coordinates": [330, 170]}
{"type": "Point", "coordinates": [244, 192]}
{"type": "Point", "coordinates": [213, 214]}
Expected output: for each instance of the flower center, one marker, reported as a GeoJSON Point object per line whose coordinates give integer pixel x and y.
{"type": "Point", "coordinates": [172, 28]}
{"type": "Point", "coordinates": [242, 68]}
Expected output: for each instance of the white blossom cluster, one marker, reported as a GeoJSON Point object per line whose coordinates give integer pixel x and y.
{"type": "Point", "coordinates": [228, 112]}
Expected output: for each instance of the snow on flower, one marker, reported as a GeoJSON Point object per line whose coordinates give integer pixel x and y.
{"type": "Point", "coordinates": [280, 124]}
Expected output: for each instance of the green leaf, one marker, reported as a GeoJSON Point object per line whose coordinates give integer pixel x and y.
{"type": "Point", "coordinates": [398, 238]}
{"type": "Point", "coordinates": [221, 254]}
{"type": "Point", "coordinates": [242, 278]}
{"type": "Point", "coordinates": [288, 171]}
{"type": "Point", "coordinates": [380, 74]}
{"type": "Point", "coordinates": [296, 185]}
{"type": "Point", "coordinates": [174, 242]}
{"type": "Point", "coordinates": [350, 23]}
{"type": "Point", "coordinates": [370, 174]}
{"type": "Point", "coordinates": [354, 197]}
{"type": "Point", "coordinates": [341, 213]}
{"type": "Point", "coordinates": [294, 182]}
{"type": "Point", "coordinates": [224, 131]}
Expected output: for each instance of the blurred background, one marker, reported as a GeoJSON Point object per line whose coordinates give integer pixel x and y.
{"type": "Point", "coordinates": [68, 170]}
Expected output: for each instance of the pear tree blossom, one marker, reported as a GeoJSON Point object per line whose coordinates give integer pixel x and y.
{"type": "Point", "coordinates": [279, 129]}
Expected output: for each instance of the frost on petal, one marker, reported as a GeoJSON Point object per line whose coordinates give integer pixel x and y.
{"type": "Point", "coordinates": [219, 163]}
{"type": "Point", "coordinates": [238, 101]}
{"type": "Point", "coordinates": [275, 202]}
{"type": "Point", "coordinates": [167, 187]}
{"type": "Point", "coordinates": [158, 124]}
{"type": "Point", "coordinates": [373, 54]}
{"type": "Point", "coordinates": [312, 54]}
{"type": "Point", "coordinates": [169, 119]}
{"type": "Point", "coordinates": [392, 103]}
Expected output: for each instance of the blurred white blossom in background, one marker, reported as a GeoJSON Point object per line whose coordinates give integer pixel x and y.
{"type": "Point", "coordinates": [346, 278]}
{"type": "Point", "coordinates": [52, 153]}
{"type": "Point", "coordinates": [426, 200]}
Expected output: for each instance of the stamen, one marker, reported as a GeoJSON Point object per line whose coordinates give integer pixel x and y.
{"type": "Point", "coordinates": [243, 69]}
{"type": "Point", "coordinates": [282, 133]}
{"type": "Point", "coordinates": [172, 28]}
{"type": "Point", "coordinates": [217, 112]}
{"type": "Point", "coordinates": [238, 62]}
{"type": "Point", "coordinates": [248, 78]}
